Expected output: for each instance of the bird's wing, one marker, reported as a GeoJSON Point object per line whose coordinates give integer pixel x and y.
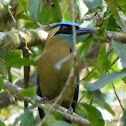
{"type": "Point", "coordinates": [75, 98]}
{"type": "Point", "coordinates": [41, 112]}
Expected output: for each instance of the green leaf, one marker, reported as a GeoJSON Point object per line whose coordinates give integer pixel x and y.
{"type": "Point", "coordinates": [1, 83]}
{"type": "Point", "coordinates": [19, 10]}
{"type": "Point", "coordinates": [28, 92]}
{"type": "Point", "coordinates": [84, 48]}
{"type": "Point", "coordinates": [112, 58]}
{"type": "Point", "coordinates": [1, 123]}
{"type": "Point", "coordinates": [13, 59]}
{"type": "Point", "coordinates": [67, 14]}
{"type": "Point", "coordinates": [81, 8]}
{"type": "Point", "coordinates": [27, 118]}
{"type": "Point", "coordinates": [33, 8]}
{"type": "Point", "coordinates": [113, 7]}
{"type": "Point", "coordinates": [53, 122]}
{"type": "Point", "coordinates": [101, 31]}
{"type": "Point", "coordinates": [29, 24]}
{"type": "Point", "coordinates": [94, 75]}
{"type": "Point", "coordinates": [108, 108]}
{"type": "Point", "coordinates": [94, 115]}
{"type": "Point", "coordinates": [102, 64]}
{"type": "Point", "coordinates": [81, 112]}
{"type": "Point", "coordinates": [88, 23]}
{"type": "Point", "coordinates": [106, 79]}
{"type": "Point", "coordinates": [122, 4]}
{"type": "Point", "coordinates": [24, 4]}
{"type": "Point", "coordinates": [2, 69]}
{"type": "Point", "coordinates": [124, 118]}
{"type": "Point", "coordinates": [48, 15]}
{"type": "Point", "coordinates": [92, 3]}
{"type": "Point", "coordinates": [24, 16]}
{"type": "Point", "coordinates": [111, 26]}
{"type": "Point", "coordinates": [120, 48]}
{"type": "Point", "coordinates": [99, 99]}
{"type": "Point", "coordinates": [66, 9]}
{"type": "Point", "coordinates": [55, 119]}
{"type": "Point", "coordinates": [58, 116]}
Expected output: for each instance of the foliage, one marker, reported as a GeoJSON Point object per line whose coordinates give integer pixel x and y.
{"type": "Point", "coordinates": [28, 92]}
{"type": "Point", "coordinates": [93, 112]}
{"type": "Point", "coordinates": [1, 123]}
{"type": "Point", "coordinates": [26, 118]}
{"type": "Point", "coordinates": [107, 15]}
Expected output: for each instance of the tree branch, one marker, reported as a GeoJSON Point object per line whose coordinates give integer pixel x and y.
{"type": "Point", "coordinates": [26, 73]}
{"type": "Point", "coordinates": [4, 100]}
{"type": "Point", "coordinates": [6, 22]}
{"type": "Point", "coordinates": [15, 39]}
{"type": "Point", "coordinates": [119, 36]}
{"type": "Point", "coordinates": [74, 118]}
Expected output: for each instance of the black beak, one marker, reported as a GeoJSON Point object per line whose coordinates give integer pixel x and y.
{"type": "Point", "coordinates": [82, 31]}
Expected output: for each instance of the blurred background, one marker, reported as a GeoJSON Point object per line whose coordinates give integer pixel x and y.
{"type": "Point", "coordinates": [103, 56]}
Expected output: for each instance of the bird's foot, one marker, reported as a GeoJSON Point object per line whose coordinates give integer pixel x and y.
{"type": "Point", "coordinates": [45, 99]}
{"type": "Point", "coordinates": [70, 111]}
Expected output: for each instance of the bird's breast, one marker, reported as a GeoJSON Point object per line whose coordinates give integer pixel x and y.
{"type": "Point", "coordinates": [53, 69]}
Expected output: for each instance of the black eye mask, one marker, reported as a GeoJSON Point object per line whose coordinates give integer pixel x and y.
{"type": "Point", "coordinates": [64, 29]}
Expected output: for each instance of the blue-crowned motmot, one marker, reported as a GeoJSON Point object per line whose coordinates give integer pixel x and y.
{"type": "Point", "coordinates": [52, 76]}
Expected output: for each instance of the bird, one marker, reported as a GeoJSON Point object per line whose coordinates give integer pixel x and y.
{"type": "Point", "coordinates": [55, 64]}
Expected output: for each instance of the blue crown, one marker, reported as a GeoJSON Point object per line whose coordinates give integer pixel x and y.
{"type": "Point", "coordinates": [65, 23]}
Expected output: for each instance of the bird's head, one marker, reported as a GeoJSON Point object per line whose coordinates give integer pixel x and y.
{"type": "Point", "coordinates": [62, 32]}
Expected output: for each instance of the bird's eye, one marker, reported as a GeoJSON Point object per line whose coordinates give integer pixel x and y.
{"type": "Point", "coordinates": [64, 28]}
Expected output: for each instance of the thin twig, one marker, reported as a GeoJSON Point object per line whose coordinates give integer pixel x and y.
{"type": "Point", "coordinates": [112, 64]}
{"type": "Point", "coordinates": [81, 98]}
{"type": "Point", "coordinates": [95, 68]}
{"type": "Point", "coordinates": [74, 29]}
{"type": "Point", "coordinates": [117, 97]}
{"type": "Point", "coordinates": [105, 71]}
{"type": "Point", "coordinates": [12, 17]}
{"type": "Point", "coordinates": [87, 75]}
{"type": "Point", "coordinates": [26, 73]}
